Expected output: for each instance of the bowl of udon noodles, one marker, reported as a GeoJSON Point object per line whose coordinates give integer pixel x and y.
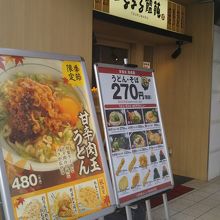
{"type": "Point", "coordinates": [38, 115]}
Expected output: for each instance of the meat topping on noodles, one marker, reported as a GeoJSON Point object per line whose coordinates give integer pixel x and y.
{"type": "Point", "coordinates": [33, 110]}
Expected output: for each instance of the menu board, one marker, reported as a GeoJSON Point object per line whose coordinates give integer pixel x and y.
{"type": "Point", "coordinates": [134, 132]}
{"type": "Point", "coordinates": [50, 143]}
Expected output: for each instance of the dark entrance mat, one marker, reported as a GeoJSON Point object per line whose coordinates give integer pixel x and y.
{"type": "Point", "coordinates": [181, 179]}
{"type": "Point", "coordinates": [172, 194]}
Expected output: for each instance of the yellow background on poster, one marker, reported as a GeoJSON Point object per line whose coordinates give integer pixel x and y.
{"type": "Point", "coordinates": [72, 73]}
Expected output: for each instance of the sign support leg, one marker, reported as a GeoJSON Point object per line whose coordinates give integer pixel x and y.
{"type": "Point", "coordinates": [128, 212]}
{"type": "Point", "coordinates": [166, 206]}
{"type": "Point", "coordinates": [148, 207]}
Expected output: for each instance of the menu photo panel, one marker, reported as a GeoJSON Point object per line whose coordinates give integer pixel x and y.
{"type": "Point", "coordinates": [55, 166]}
{"type": "Point", "coordinates": [135, 138]}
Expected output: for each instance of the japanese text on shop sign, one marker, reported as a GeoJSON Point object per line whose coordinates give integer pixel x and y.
{"type": "Point", "coordinates": [147, 6]}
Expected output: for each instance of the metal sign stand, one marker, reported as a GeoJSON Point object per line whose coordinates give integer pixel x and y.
{"type": "Point", "coordinates": [106, 73]}
{"type": "Point", "coordinates": [128, 212]}
{"type": "Point", "coordinates": [147, 202]}
{"type": "Point", "coordinates": [148, 207]}
{"type": "Point", "coordinates": [165, 203]}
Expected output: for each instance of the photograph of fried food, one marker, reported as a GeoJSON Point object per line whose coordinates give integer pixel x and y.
{"type": "Point", "coordinates": [154, 137]}
{"type": "Point", "coordinates": [123, 183]}
{"type": "Point", "coordinates": [151, 115]}
{"type": "Point", "coordinates": [162, 156]}
{"type": "Point", "coordinates": [164, 171]}
{"type": "Point", "coordinates": [146, 177]}
{"type": "Point", "coordinates": [135, 180]}
{"type": "Point", "coordinates": [121, 164]}
{"type": "Point", "coordinates": [89, 198]}
{"type": "Point", "coordinates": [32, 210]}
{"type": "Point", "coordinates": [156, 174]}
{"type": "Point", "coordinates": [38, 114]}
{"type": "Point", "coordinates": [63, 205]}
{"type": "Point", "coordinates": [132, 163]}
{"type": "Point", "coordinates": [153, 157]}
{"type": "Point", "coordinates": [143, 160]}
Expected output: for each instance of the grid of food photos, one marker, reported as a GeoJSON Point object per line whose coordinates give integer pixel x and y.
{"type": "Point", "coordinates": [137, 148]}
{"type": "Point", "coordinates": [66, 203]}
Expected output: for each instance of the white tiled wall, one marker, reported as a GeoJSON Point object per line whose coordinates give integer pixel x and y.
{"type": "Point", "coordinates": [214, 141]}
{"type": "Point", "coordinates": [215, 73]}
{"type": "Point", "coordinates": [216, 48]}
{"type": "Point", "coordinates": [215, 103]}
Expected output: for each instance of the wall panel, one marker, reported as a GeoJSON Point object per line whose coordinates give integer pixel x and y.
{"type": "Point", "coordinates": [184, 86]}
{"type": "Point", "coordinates": [214, 140]}
{"type": "Point", "coordinates": [52, 25]}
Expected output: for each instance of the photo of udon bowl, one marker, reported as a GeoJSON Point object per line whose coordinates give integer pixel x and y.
{"type": "Point", "coordinates": [38, 113]}
{"type": "Point", "coordinates": [115, 118]}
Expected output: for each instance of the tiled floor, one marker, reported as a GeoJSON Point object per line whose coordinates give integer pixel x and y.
{"type": "Point", "coordinates": [203, 203]}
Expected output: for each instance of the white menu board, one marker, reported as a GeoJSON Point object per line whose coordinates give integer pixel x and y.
{"type": "Point", "coordinates": [136, 143]}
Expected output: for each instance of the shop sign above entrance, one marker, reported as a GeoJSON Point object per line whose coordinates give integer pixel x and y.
{"type": "Point", "coordinates": [148, 12]}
